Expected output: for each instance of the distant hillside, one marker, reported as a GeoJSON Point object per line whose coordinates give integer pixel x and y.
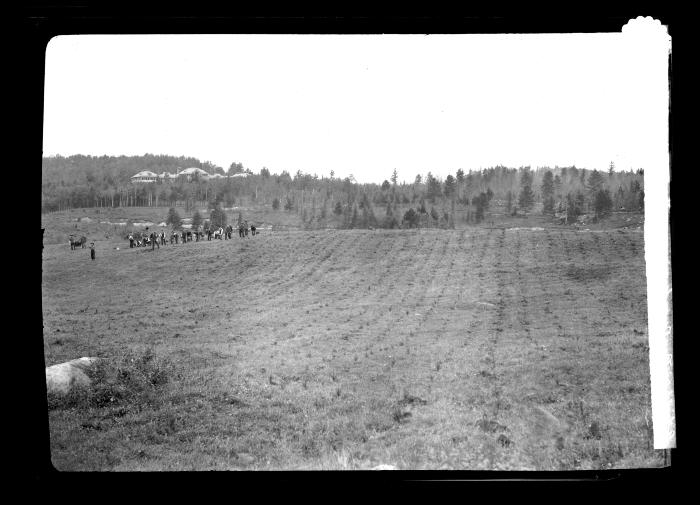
{"type": "Point", "coordinates": [106, 171]}
{"type": "Point", "coordinates": [80, 181]}
{"type": "Point", "coordinates": [429, 201]}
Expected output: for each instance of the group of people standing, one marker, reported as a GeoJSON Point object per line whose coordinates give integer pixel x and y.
{"type": "Point", "coordinates": [155, 239]}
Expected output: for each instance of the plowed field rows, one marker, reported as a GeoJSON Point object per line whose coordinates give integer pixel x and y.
{"type": "Point", "coordinates": [456, 349]}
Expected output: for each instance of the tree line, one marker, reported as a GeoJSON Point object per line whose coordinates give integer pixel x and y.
{"type": "Point", "coordinates": [425, 201]}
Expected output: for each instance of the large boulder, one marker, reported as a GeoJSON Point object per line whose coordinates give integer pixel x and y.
{"type": "Point", "coordinates": [62, 378]}
{"type": "Point", "coordinates": [384, 466]}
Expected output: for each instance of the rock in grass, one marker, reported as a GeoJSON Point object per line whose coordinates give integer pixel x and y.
{"type": "Point", "coordinates": [62, 378]}
{"type": "Point", "coordinates": [384, 467]}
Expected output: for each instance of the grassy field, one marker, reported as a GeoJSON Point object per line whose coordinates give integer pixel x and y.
{"type": "Point", "coordinates": [476, 348]}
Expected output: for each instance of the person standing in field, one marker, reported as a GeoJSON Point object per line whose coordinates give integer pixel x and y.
{"type": "Point", "coordinates": [131, 240]}
{"type": "Point", "coordinates": [92, 251]}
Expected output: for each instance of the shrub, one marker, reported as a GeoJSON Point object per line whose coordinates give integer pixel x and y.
{"type": "Point", "coordinates": [130, 378]}
{"type": "Point", "coordinates": [411, 217]}
{"type": "Point", "coordinates": [390, 222]}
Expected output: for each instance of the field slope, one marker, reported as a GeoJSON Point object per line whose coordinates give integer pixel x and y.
{"type": "Point", "coordinates": [484, 348]}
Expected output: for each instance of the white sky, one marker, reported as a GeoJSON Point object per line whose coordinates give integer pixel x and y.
{"type": "Point", "coordinates": [361, 104]}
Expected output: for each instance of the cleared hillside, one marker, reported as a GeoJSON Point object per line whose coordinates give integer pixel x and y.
{"type": "Point", "coordinates": [471, 349]}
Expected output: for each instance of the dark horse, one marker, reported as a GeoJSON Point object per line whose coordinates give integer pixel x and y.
{"type": "Point", "coordinates": [74, 244]}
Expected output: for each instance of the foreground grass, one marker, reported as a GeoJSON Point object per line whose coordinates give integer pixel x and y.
{"type": "Point", "coordinates": [481, 349]}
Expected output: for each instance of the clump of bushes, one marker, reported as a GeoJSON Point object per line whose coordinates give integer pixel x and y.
{"type": "Point", "coordinates": [133, 377]}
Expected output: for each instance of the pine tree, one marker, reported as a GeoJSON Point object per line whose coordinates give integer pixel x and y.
{"type": "Point", "coordinates": [218, 216]}
{"type": "Point", "coordinates": [526, 198]}
{"type": "Point", "coordinates": [603, 203]}
{"type": "Point", "coordinates": [389, 219]}
{"type": "Point", "coordinates": [470, 182]}
{"type": "Point", "coordinates": [619, 199]}
{"type": "Point", "coordinates": [196, 219]}
{"type": "Point", "coordinates": [572, 210]}
{"type": "Point", "coordinates": [433, 190]}
{"type": "Point", "coordinates": [449, 186]}
{"type": "Point", "coordinates": [548, 192]}
{"type": "Point", "coordinates": [173, 218]}
{"type": "Point", "coordinates": [479, 202]}
{"type": "Point", "coordinates": [580, 201]}
{"type": "Point", "coordinates": [354, 221]}
{"type": "Point", "coordinates": [595, 184]}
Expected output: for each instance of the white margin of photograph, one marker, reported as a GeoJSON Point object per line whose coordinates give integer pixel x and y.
{"type": "Point", "coordinates": [651, 40]}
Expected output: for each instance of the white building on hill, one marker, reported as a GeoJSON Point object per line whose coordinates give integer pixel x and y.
{"type": "Point", "coordinates": [194, 172]}
{"type": "Point", "coordinates": [189, 173]}
{"type": "Point", "coordinates": [144, 176]}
